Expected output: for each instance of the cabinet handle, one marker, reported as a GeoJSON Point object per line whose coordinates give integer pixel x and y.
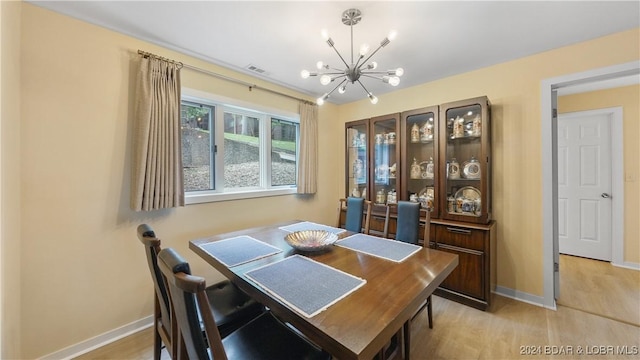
{"type": "Point", "coordinates": [460, 250]}
{"type": "Point", "coordinates": [459, 231]}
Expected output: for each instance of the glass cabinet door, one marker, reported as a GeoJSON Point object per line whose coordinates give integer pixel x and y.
{"type": "Point", "coordinates": [357, 135]}
{"type": "Point", "coordinates": [420, 152]}
{"type": "Point", "coordinates": [385, 156]}
{"type": "Point", "coordinates": [465, 160]}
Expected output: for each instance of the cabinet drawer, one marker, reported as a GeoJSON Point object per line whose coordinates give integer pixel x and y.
{"type": "Point", "coordinates": [467, 278]}
{"type": "Point", "coordinates": [463, 237]}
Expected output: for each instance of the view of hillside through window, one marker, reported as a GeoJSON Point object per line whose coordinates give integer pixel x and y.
{"type": "Point", "coordinates": [242, 147]}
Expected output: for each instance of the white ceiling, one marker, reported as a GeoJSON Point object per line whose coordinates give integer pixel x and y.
{"type": "Point", "coordinates": [435, 39]}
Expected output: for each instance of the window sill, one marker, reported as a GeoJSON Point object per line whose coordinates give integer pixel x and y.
{"type": "Point", "coordinates": [205, 197]}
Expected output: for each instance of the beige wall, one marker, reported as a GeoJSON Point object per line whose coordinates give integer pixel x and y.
{"type": "Point", "coordinates": [82, 267]}
{"type": "Point", "coordinates": [514, 91]}
{"type": "Point", "coordinates": [84, 271]}
{"type": "Point", "coordinates": [627, 97]}
{"type": "Point", "coordinates": [10, 268]}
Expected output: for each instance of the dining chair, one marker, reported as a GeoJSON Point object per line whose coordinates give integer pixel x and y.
{"type": "Point", "coordinates": [233, 307]}
{"type": "Point", "coordinates": [355, 210]}
{"type": "Point", "coordinates": [407, 222]}
{"type": "Point", "coordinates": [408, 230]}
{"type": "Point", "coordinates": [264, 337]}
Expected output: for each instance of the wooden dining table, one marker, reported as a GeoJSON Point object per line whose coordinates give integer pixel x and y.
{"type": "Point", "coordinates": [359, 325]}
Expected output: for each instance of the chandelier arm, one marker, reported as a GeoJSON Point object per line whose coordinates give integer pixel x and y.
{"type": "Point", "coordinates": [375, 72]}
{"type": "Point", "coordinates": [371, 76]}
{"type": "Point", "coordinates": [365, 89]}
{"type": "Point", "coordinates": [358, 65]}
{"type": "Point", "coordinates": [374, 52]}
{"type": "Point", "coordinates": [340, 56]}
{"type": "Point", "coordinates": [337, 86]}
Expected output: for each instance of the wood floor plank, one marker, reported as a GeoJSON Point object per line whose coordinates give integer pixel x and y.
{"type": "Point", "coordinates": [597, 287]}
{"type": "Point", "coordinates": [462, 332]}
{"type": "Point", "coordinates": [509, 328]}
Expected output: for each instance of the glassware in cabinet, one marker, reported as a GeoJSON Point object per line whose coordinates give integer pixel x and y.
{"type": "Point", "coordinates": [420, 175]}
{"type": "Point", "coordinates": [465, 160]}
{"type": "Point", "coordinates": [385, 158]}
{"type": "Point", "coordinates": [357, 159]}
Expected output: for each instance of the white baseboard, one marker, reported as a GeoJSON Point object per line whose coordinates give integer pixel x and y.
{"type": "Point", "coordinates": [628, 265]}
{"type": "Point", "coordinates": [520, 296]}
{"type": "Point", "coordinates": [100, 340]}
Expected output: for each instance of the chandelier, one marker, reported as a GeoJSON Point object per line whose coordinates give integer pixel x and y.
{"type": "Point", "coordinates": [354, 70]}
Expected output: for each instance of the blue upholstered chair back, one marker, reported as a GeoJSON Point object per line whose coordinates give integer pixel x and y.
{"type": "Point", "coordinates": [408, 222]}
{"type": "Point", "coordinates": [355, 207]}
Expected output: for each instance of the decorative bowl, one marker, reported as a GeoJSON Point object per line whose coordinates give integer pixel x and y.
{"type": "Point", "coordinates": [311, 240]}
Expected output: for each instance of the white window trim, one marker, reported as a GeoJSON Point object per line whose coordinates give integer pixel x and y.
{"type": "Point", "coordinates": [205, 196]}
{"type": "Point", "coordinates": [199, 197]}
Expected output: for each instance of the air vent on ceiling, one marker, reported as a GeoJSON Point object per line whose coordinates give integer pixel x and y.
{"type": "Point", "coordinates": [258, 70]}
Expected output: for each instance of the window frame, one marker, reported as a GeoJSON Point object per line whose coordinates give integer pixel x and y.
{"type": "Point", "coordinates": [265, 115]}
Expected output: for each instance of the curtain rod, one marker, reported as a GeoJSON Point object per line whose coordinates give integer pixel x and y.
{"type": "Point", "coordinates": [223, 77]}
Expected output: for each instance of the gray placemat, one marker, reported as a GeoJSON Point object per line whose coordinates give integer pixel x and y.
{"type": "Point", "coordinates": [388, 249]}
{"type": "Point", "coordinates": [308, 225]}
{"type": "Point", "coordinates": [239, 250]}
{"type": "Point", "coordinates": [305, 285]}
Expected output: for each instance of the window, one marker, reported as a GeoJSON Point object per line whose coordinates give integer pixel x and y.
{"type": "Point", "coordinates": [197, 162]}
{"type": "Point", "coordinates": [284, 152]}
{"type": "Point", "coordinates": [232, 152]}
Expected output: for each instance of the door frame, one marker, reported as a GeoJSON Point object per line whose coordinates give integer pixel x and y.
{"type": "Point", "coordinates": [548, 93]}
{"type": "Point", "coordinates": [617, 181]}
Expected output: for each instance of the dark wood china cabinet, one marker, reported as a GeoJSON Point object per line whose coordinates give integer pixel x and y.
{"type": "Point", "coordinates": [439, 156]}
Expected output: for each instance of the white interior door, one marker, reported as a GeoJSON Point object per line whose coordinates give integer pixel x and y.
{"type": "Point", "coordinates": [584, 184]}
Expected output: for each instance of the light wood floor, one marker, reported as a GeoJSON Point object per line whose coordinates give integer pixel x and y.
{"type": "Point", "coordinates": [509, 330]}
{"type": "Point", "coordinates": [600, 288]}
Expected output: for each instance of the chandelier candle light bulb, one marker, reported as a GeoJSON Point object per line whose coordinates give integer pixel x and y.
{"type": "Point", "coordinates": [391, 80]}
{"type": "Point", "coordinates": [392, 35]}
{"type": "Point", "coordinates": [325, 34]}
{"type": "Point", "coordinates": [364, 49]}
{"type": "Point", "coordinates": [354, 70]}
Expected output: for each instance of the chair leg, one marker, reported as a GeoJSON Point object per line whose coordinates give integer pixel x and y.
{"type": "Point", "coordinates": [407, 339]}
{"type": "Point", "coordinates": [157, 342]}
{"type": "Point", "coordinates": [429, 315]}
{"type": "Point", "coordinates": [157, 339]}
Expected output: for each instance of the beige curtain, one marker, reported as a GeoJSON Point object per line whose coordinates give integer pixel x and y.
{"type": "Point", "coordinates": [308, 160]}
{"type": "Point", "coordinates": [157, 150]}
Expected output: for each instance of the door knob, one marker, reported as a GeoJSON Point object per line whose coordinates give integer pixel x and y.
{"type": "Point", "coordinates": [605, 195]}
